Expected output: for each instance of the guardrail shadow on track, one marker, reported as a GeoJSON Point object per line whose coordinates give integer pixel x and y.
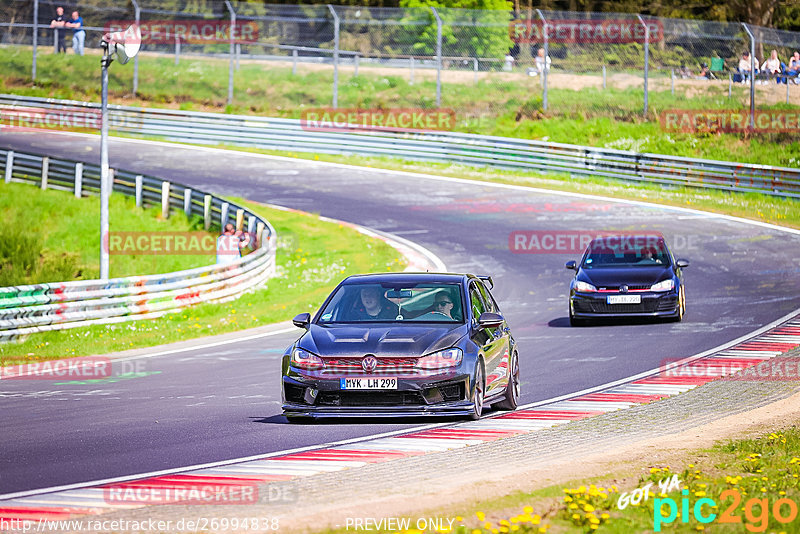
{"type": "Point", "coordinates": [62, 305]}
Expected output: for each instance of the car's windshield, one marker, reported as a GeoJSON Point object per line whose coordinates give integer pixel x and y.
{"type": "Point", "coordinates": [391, 302]}
{"type": "Point", "coordinates": [627, 251]}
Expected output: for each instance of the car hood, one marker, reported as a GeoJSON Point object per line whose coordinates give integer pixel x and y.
{"type": "Point", "coordinates": [381, 340]}
{"type": "Point", "coordinates": [611, 276]}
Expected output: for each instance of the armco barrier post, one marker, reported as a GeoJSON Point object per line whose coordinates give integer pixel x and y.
{"type": "Point", "coordinates": [45, 169]}
{"type": "Point", "coordinates": [335, 56]}
{"type": "Point", "coordinates": [260, 234]}
{"type": "Point", "coordinates": [138, 181]}
{"type": "Point", "coordinates": [646, 59]}
{"type": "Point", "coordinates": [438, 57]}
{"type": "Point", "coordinates": [223, 214]}
{"type": "Point", "coordinates": [187, 202]}
{"type": "Point", "coordinates": [251, 223]}
{"type": "Point", "coordinates": [239, 220]}
{"type": "Point", "coordinates": [207, 212]}
{"type": "Point", "coordinates": [78, 180]}
{"type": "Point", "coordinates": [9, 166]}
{"type": "Point", "coordinates": [165, 199]}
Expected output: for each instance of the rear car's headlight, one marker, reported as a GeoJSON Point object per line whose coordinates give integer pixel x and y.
{"type": "Point", "coordinates": [664, 285]}
{"type": "Point", "coordinates": [306, 360]}
{"type": "Point", "coordinates": [584, 287]}
{"type": "Point", "coordinates": [440, 360]}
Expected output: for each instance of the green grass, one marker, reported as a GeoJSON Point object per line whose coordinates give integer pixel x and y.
{"type": "Point", "coordinates": [764, 467]}
{"type": "Point", "coordinates": [51, 236]}
{"type": "Point", "coordinates": [608, 118]}
{"type": "Point", "coordinates": [313, 256]}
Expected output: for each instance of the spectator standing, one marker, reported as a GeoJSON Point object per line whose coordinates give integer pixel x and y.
{"type": "Point", "coordinates": [228, 245]}
{"type": "Point", "coordinates": [78, 33]}
{"type": "Point", "coordinates": [58, 24]}
{"type": "Point", "coordinates": [772, 66]}
{"type": "Point", "coordinates": [508, 64]}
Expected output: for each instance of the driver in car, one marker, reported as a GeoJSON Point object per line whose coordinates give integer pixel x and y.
{"type": "Point", "coordinates": [373, 306]}
{"type": "Point", "coordinates": [443, 304]}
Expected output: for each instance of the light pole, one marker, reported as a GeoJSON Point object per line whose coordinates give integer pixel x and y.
{"type": "Point", "coordinates": [123, 45]}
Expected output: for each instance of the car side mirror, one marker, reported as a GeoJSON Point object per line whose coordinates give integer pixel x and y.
{"type": "Point", "coordinates": [490, 320]}
{"type": "Point", "coordinates": [302, 320]}
{"type": "Point", "coordinates": [682, 263]}
{"type": "Point", "coordinates": [571, 265]}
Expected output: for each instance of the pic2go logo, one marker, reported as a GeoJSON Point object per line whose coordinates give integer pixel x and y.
{"type": "Point", "coordinates": [756, 511]}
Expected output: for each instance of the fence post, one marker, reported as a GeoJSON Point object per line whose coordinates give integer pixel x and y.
{"type": "Point", "coordinates": [232, 52]}
{"type": "Point", "coordinates": [546, 55]}
{"type": "Point", "coordinates": [238, 54]}
{"type": "Point", "coordinates": [672, 81]}
{"type": "Point", "coordinates": [411, 64]}
{"type": "Point", "coordinates": [9, 165]}
{"type": "Point", "coordinates": [475, 69]}
{"type": "Point", "coordinates": [604, 76]}
{"type": "Point", "coordinates": [438, 57]}
{"type": "Point", "coordinates": [35, 36]}
{"type": "Point", "coordinates": [335, 56]}
{"type": "Point", "coordinates": [138, 180]}
{"type": "Point", "coordinates": [177, 49]}
{"type": "Point", "coordinates": [165, 199]}
{"type": "Point", "coordinates": [355, 60]}
{"type": "Point", "coordinates": [187, 201]}
{"type": "Point", "coordinates": [787, 89]}
{"type": "Point", "coordinates": [239, 220]}
{"type": "Point", "coordinates": [223, 214]}
{"type": "Point", "coordinates": [646, 60]}
{"type": "Point", "coordinates": [78, 180]}
{"type": "Point", "coordinates": [45, 169]}
{"type": "Point", "coordinates": [752, 77]}
{"type": "Point", "coordinates": [55, 40]}
{"type": "Point", "coordinates": [294, 62]}
{"type": "Point", "coordinates": [136, 18]}
{"type": "Point", "coordinates": [207, 212]}
{"type": "Point", "coordinates": [730, 85]}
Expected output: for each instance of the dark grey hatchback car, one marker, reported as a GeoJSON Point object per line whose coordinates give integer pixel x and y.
{"type": "Point", "coordinates": [402, 344]}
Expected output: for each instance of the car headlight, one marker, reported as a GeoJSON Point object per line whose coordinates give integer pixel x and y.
{"type": "Point", "coordinates": [440, 360]}
{"type": "Point", "coordinates": [584, 287]}
{"type": "Point", "coordinates": [664, 285]}
{"type": "Point", "coordinates": [305, 360]}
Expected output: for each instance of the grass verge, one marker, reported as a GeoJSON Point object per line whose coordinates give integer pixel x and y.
{"type": "Point", "coordinates": [496, 105]}
{"type": "Point", "coordinates": [36, 248]}
{"type": "Point", "coordinates": [755, 481]}
{"type": "Point", "coordinates": [308, 268]}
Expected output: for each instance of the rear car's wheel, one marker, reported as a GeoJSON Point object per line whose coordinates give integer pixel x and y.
{"type": "Point", "coordinates": [512, 388]}
{"type": "Point", "coordinates": [574, 321]}
{"type": "Point", "coordinates": [681, 306]}
{"type": "Point", "coordinates": [478, 393]}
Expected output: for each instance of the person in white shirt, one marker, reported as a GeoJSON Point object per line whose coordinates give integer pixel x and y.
{"type": "Point", "coordinates": [509, 63]}
{"type": "Point", "coordinates": [541, 62]}
{"type": "Point", "coordinates": [772, 66]}
{"type": "Point", "coordinates": [745, 66]}
{"type": "Point", "coordinates": [228, 245]}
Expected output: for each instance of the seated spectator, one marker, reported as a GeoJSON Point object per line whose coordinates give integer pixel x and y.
{"type": "Point", "coordinates": [705, 73]}
{"type": "Point", "coordinates": [793, 70]}
{"type": "Point", "coordinates": [684, 71]}
{"type": "Point", "coordinates": [508, 63]}
{"type": "Point", "coordinates": [772, 66]}
{"type": "Point", "coordinates": [542, 63]}
{"type": "Point", "coordinates": [744, 69]}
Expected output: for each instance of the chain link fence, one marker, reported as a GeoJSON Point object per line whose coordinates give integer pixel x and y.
{"type": "Point", "coordinates": [482, 65]}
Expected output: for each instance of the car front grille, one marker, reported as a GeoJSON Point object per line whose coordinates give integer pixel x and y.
{"type": "Point", "coordinates": [385, 366]}
{"type": "Point", "coordinates": [601, 306]}
{"type": "Point", "coordinates": [370, 398]}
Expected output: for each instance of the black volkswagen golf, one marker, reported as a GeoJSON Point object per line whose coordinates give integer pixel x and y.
{"type": "Point", "coordinates": [624, 276]}
{"type": "Point", "coordinates": [411, 344]}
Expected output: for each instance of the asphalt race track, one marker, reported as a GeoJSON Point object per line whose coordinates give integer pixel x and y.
{"type": "Point", "coordinates": [224, 402]}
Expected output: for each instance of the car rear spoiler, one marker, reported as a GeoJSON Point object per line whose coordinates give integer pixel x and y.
{"type": "Point", "coordinates": [488, 280]}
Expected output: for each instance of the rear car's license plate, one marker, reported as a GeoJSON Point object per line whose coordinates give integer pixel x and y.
{"type": "Point", "coordinates": [368, 383]}
{"type": "Point", "coordinates": [624, 299]}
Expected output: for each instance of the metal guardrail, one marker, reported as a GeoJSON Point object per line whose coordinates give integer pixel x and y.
{"type": "Point", "coordinates": [449, 147]}
{"type": "Point", "coordinates": [63, 305]}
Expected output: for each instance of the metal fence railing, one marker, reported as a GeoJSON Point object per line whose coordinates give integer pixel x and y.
{"type": "Point", "coordinates": [622, 63]}
{"type": "Point", "coordinates": [62, 305]}
{"type": "Point", "coordinates": [508, 153]}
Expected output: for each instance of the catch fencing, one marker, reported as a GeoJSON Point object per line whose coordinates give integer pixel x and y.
{"type": "Point", "coordinates": [619, 65]}
{"type": "Point", "coordinates": [498, 152]}
{"type": "Point", "coordinates": [63, 305]}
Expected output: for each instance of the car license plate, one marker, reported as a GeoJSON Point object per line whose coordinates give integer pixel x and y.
{"type": "Point", "coordinates": [624, 299]}
{"type": "Point", "coordinates": [368, 383]}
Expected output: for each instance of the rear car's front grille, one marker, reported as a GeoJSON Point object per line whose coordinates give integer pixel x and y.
{"type": "Point", "coordinates": [630, 287]}
{"type": "Point", "coordinates": [601, 306]}
{"type": "Point", "coordinates": [293, 393]}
